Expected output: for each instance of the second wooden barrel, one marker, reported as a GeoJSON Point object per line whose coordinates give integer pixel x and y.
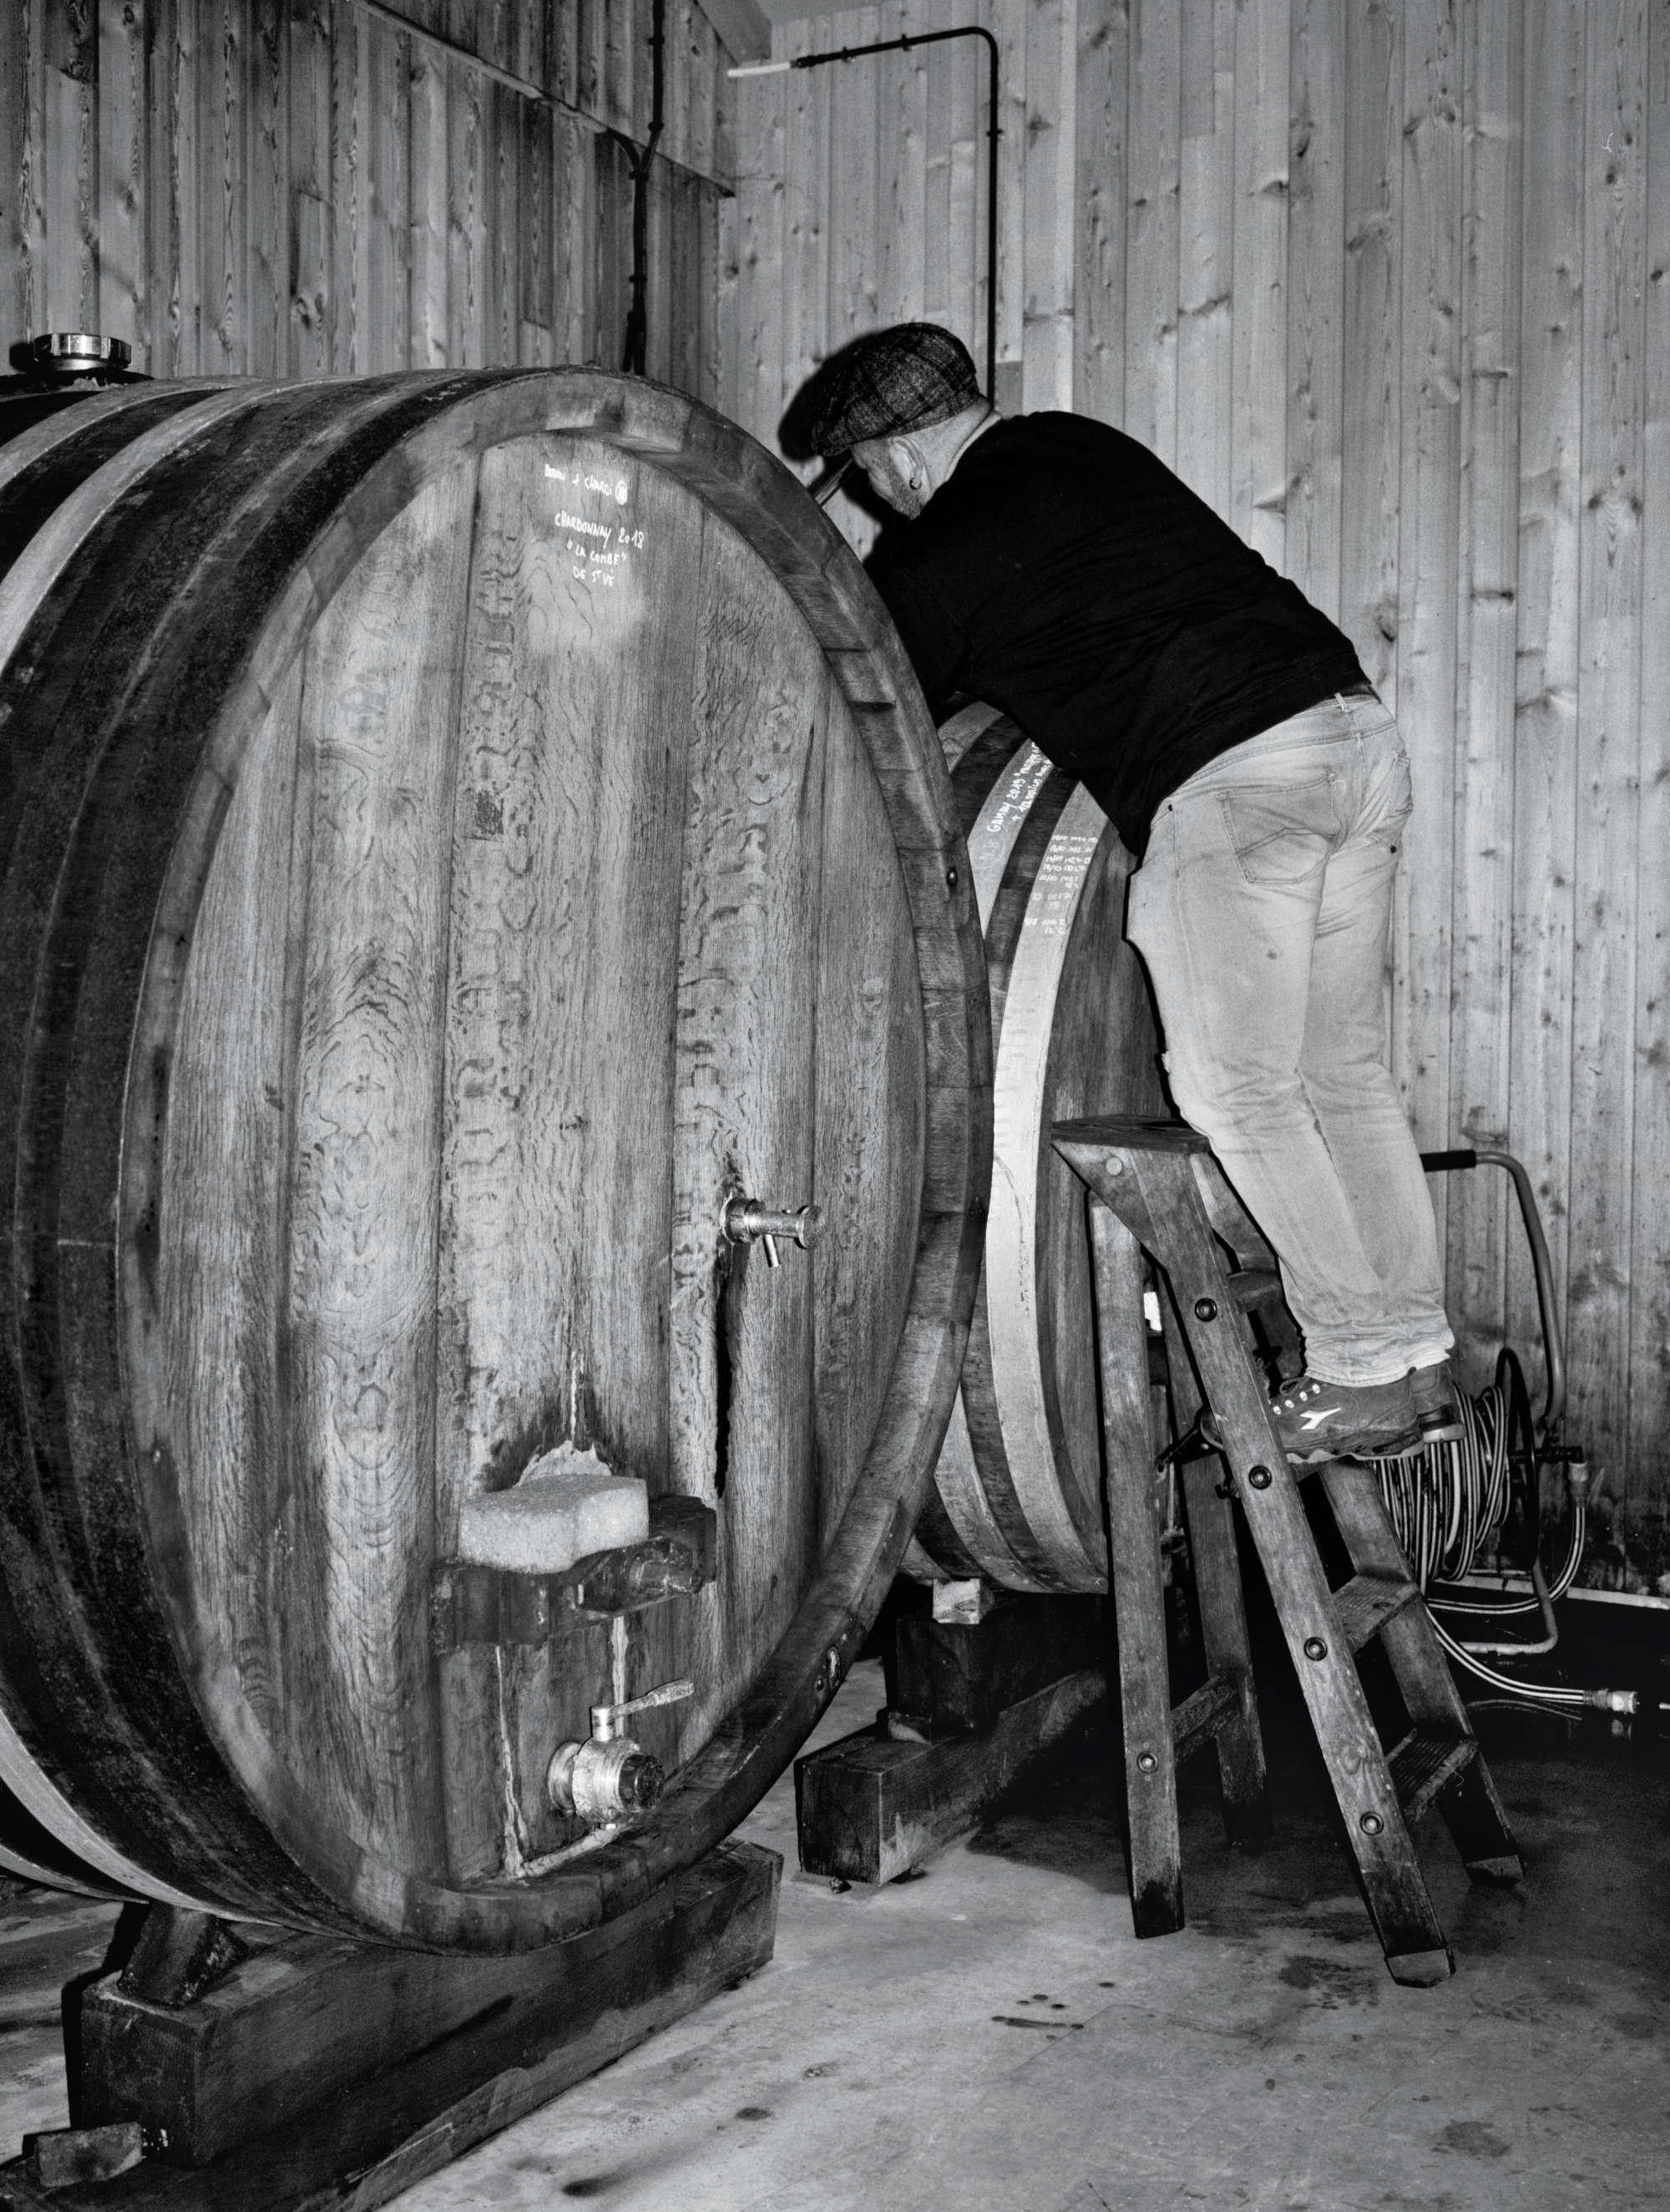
{"type": "Point", "coordinates": [461, 833]}
{"type": "Point", "coordinates": [1019, 1479]}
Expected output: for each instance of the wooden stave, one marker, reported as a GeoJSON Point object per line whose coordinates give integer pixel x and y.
{"type": "Point", "coordinates": [738, 480]}
{"type": "Point", "coordinates": [998, 1467]}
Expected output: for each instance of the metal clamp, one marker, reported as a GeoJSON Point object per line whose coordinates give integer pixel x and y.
{"type": "Point", "coordinates": [751, 1221]}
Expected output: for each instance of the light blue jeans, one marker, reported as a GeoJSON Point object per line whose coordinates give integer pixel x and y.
{"type": "Point", "coordinates": [1263, 910]}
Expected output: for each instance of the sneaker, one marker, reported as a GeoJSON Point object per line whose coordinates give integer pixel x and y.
{"type": "Point", "coordinates": [1436, 1409]}
{"type": "Point", "coordinates": [1320, 1421]}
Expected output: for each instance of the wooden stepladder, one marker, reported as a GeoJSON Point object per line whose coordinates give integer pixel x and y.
{"type": "Point", "coordinates": [1150, 1185]}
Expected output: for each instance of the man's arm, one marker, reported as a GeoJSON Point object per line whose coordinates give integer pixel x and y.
{"type": "Point", "coordinates": [937, 649]}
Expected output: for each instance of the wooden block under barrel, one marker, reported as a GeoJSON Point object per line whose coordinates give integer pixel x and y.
{"type": "Point", "coordinates": [956, 1677]}
{"type": "Point", "coordinates": [873, 1806]}
{"type": "Point", "coordinates": [314, 2060]}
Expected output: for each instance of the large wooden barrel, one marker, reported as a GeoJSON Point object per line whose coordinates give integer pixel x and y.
{"type": "Point", "coordinates": [1019, 1479]}
{"type": "Point", "coordinates": [460, 833]}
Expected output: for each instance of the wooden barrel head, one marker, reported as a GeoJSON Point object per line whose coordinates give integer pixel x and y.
{"type": "Point", "coordinates": [1019, 1476]}
{"type": "Point", "coordinates": [512, 833]}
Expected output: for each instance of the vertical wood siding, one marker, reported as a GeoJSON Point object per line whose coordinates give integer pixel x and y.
{"type": "Point", "coordinates": [310, 187]}
{"type": "Point", "coordinates": [1385, 280]}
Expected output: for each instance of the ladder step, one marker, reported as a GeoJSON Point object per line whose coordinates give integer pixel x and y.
{"type": "Point", "coordinates": [1203, 1712]}
{"type": "Point", "coordinates": [1251, 1286]}
{"type": "Point", "coordinates": [1423, 1763]}
{"type": "Point", "coordinates": [1367, 1603]}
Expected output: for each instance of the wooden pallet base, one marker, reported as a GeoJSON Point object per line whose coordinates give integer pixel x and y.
{"type": "Point", "coordinates": [873, 1806]}
{"type": "Point", "coordinates": [366, 2068]}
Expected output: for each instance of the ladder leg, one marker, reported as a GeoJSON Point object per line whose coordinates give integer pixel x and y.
{"type": "Point", "coordinates": [1224, 1641]}
{"type": "Point", "coordinates": [1153, 1844]}
{"type": "Point", "coordinates": [1228, 1652]}
{"type": "Point", "coordinates": [1472, 1809]}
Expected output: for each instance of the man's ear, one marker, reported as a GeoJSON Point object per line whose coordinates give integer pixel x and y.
{"type": "Point", "coordinates": [909, 460]}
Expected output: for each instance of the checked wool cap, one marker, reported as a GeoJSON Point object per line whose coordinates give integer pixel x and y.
{"type": "Point", "coordinates": [907, 378]}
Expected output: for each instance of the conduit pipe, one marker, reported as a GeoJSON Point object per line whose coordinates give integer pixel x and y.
{"type": "Point", "coordinates": [993, 132]}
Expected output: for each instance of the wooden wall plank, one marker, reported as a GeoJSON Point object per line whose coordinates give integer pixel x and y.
{"type": "Point", "coordinates": [352, 325]}
{"type": "Point", "coordinates": [429, 323]}
{"type": "Point", "coordinates": [123, 303]}
{"type": "Point", "coordinates": [467, 184]}
{"type": "Point", "coordinates": [223, 108]}
{"type": "Point", "coordinates": [536, 197]}
{"type": "Point", "coordinates": [504, 239]}
{"type": "Point", "coordinates": [853, 159]}
{"type": "Point", "coordinates": [1152, 266]}
{"type": "Point", "coordinates": [1258, 489]}
{"type": "Point", "coordinates": [1373, 381]}
{"type": "Point", "coordinates": [1603, 968]}
{"type": "Point", "coordinates": [1482, 863]}
{"type": "Point", "coordinates": [711, 210]}
{"type": "Point", "coordinates": [901, 174]}
{"type": "Point", "coordinates": [312, 283]}
{"type": "Point", "coordinates": [1316, 298]}
{"type": "Point", "coordinates": [71, 117]}
{"type": "Point", "coordinates": [619, 48]}
{"type": "Point", "coordinates": [1428, 581]}
{"type": "Point", "coordinates": [1205, 285]}
{"type": "Point", "coordinates": [936, 217]}
{"type": "Point", "coordinates": [1047, 306]}
{"type": "Point", "coordinates": [19, 225]}
{"type": "Point", "coordinates": [173, 199]}
{"type": "Point", "coordinates": [805, 229]}
{"type": "Point", "coordinates": [1099, 264]}
{"type": "Point", "coordinates": [388, 209]}
{"type": "Point", "coordinates": [1007, 19]}
{"type": "Point", "coordinates": [267, 223]}
{"type": "Point", "coordinates": [575, 281]}
{"type": "Point", "coordinates": [658, 275]}
{"type": "Point", "coordinates": [590, 17]}
{"type": "Point", "coordinates": [610, 192]}
{"type": "Point", "coordinates": [1545, 732]}
{"type": "Point", "coordinates": [966, 244]}
{"type": "Point", "coordinates": [703, 75]}
{"type": "Point", "coordinates": [562, 19]}
{"type": "Point", "coordinates": [1649, 1421]}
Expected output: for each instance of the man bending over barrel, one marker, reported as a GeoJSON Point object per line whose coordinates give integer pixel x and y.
{"type": "Point", "coordinates": [1054, 568]}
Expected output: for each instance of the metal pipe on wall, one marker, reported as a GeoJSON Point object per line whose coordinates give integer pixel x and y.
{"type": "Point", "coordinates": [903, 45]}
{"type": "Point", "coordinates": [635, 350]}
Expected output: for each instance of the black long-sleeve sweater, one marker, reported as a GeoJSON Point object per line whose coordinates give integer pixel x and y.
{"type": "Point", "coordinates": [1065, 574]}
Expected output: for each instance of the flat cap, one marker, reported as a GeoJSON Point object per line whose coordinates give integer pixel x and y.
{"type": "Point", "coordinates": [907, 378]}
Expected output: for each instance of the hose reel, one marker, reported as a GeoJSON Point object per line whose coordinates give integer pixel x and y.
{"type": "Point", "coordinates": [1450, 1504]}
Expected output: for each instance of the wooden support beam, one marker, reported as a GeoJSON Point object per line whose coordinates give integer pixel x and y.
{"type": "Point", "coordinates": [321, 2073]}
{"type": "Point", "coordinates": [870, 1807]}
{"type": "Point", "coordinates": [957, 1679]}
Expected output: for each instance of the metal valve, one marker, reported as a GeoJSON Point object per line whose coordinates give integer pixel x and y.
{"type": "Point", "coordinates": [610, 1778]}
{"type": "Point", "coordinates": [751, 1221]}
{"type": "Point", "coordinates": [605, 1719]}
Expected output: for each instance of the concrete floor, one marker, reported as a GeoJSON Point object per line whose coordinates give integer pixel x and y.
{"type": "Point", "coordinates": [991, 2035]}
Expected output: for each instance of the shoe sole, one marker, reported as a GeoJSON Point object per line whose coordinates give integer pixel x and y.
{"type": "Point", "coordinates": [1409, 1446]}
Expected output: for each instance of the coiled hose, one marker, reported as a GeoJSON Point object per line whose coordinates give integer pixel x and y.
{"type": "Point", "coordinates": [1449, 1503]}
